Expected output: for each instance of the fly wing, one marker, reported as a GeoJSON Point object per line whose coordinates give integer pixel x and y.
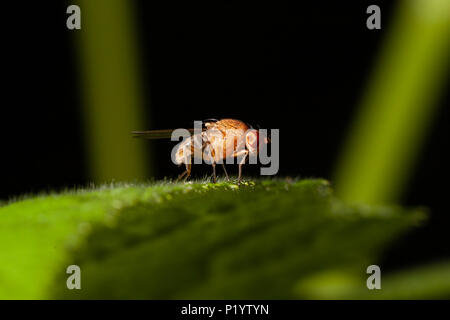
{"type": "Point", "coordinates": [156, 134]}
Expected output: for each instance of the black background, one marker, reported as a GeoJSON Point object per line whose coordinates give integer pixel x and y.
{"type": "Point", "coordinates": [300, 68]}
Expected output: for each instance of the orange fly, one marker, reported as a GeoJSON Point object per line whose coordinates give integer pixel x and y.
{"type": "Point", "coordinates": [218, 140]}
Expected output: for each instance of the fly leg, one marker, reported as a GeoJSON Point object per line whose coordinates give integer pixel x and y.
{"type": "Point", "coordinates": [211, 156]}
{"type": "Point", "coordinates": [181, 176]}
{"type": "Point", "coordinates": [226, 173]}
{"type": "Point", "coordinates": [186, 173]}
{"type": "Point", "coordinates": [188, 170]}
{"type": "Point", "coordinates": [187, 162]}
{"type": "Point", "coordinates": [240, 167]}
{"type": "Point", "coordinates": [214, 172]}
{"type": "Point", "coordinates": [244, 154]}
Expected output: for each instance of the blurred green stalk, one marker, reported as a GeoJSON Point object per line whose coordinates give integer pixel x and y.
{"type": "Point", "coordinates": [423, 282]}
{"type": "Point", "coordinates": [113, 100]}
{"type": "Point", "coordinates": [398, 106]}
